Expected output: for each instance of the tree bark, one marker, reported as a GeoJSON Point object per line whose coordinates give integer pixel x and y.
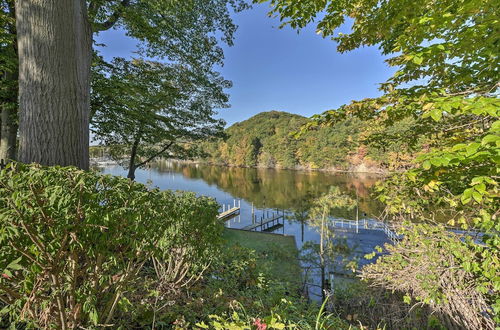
{"type": "Point", "coordinates": [133, 155]}
{"type": "Point", "coordinates": [55, 53]}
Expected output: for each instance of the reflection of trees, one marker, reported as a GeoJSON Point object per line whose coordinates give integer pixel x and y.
{"type": "Point", "coordinates": [283, 189]}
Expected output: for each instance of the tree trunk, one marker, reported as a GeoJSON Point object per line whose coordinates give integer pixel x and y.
{"type": "Point", "coordinates": [55, 52]}
{"type": "Point", "coordinates": [133, 154]}
{"type": "Point", "coordinates": [322, 256]}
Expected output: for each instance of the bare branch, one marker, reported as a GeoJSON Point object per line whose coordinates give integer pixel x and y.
{"type": "Point", "coordinates": [112, 19]}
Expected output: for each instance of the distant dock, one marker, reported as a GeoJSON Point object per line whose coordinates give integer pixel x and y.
{"type": "Point", "coordinates": [229, 212]}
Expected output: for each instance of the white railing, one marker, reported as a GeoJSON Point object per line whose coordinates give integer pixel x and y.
{"type": "Point", "coordinates": [367, 224]}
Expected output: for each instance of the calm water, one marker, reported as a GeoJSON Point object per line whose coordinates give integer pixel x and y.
{"type": "Point", "coordinates": [267, 190]}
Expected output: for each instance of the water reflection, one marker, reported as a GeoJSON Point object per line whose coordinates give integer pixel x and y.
{"type": "Point", "coordinates": [264, 191]}
{"type": "Point", "coordinates": [279, 189]}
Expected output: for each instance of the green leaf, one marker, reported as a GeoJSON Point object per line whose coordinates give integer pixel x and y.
{"type": "Point", "coordinates": [466, 196]}
{"type": "Point", "coordinates": [472, 149]}
{"type": "Point", "coordinates": [417, 60]}
{"type": "Point", "coordinates": [490, 139]}
{"type": "Point", "coordinates": [436, 114]}
{"type": "Point", "coordinates": [202, 325]}
{"type": "Point", "coordinates": [14, 265]}
{"type": "Point", "coordinates": [477, 196]}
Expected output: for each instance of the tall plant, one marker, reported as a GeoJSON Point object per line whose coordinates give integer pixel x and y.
{"type": "Point", "coordinates": [76, 246]}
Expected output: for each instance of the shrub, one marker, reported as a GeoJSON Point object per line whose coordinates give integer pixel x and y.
{"type": "Point", "coordinates": [284, 315]}
{"type": "Point", "coordinates": [73, 244]}
{"type": "Point", "coordinates": [442, 270]}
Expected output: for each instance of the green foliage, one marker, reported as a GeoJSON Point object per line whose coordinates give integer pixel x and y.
{"type": "Point", "coordinates": [8, 79]}
{"type": "Point", "coordinates": [144, 109]}
{"type": "Point", "coordinates": [447, 57]}
{"type": "Point", "coordinates": [282, 316]}
{"type": "Point", "coordinates": [186, 32]}
{"type": "Point", "coordinates": [451, 273]}
{"type": "Point", "coordinates": [266, 140]}
{"type": "Point", "coordinates": [76, 246]}
{"type": "Point", "coordinates": [8, 54]}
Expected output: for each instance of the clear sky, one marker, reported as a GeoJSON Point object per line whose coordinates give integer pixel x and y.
{"type": "Point", "coordinates": [278, 69]}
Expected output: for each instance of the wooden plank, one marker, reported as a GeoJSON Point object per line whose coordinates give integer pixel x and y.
{"type": "Point", "coordinates": [262, 223]}
{"type": "Point", "coordinates": [230, 212]}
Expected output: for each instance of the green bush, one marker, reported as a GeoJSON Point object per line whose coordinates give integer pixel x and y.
{"type": "Point", "coordinates": [75, 246]}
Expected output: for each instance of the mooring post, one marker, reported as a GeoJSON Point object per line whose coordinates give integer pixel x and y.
{"type": "Point", "coordinates": [223, 208]}
{"type": "Point", "coordinates": [253, 214]}
{"type": "Point", "coordinates": [357, 211]}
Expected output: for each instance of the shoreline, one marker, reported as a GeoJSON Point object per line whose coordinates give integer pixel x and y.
{"type": "Point", "coordinates": [361, 169]}
{"type": "Point", "coordinates": [367, 170]}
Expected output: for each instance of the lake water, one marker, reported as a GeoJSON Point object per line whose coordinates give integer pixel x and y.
{"type": "Point", "coordinates": [267, 191]}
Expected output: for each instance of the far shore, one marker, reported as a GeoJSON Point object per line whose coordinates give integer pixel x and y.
{"type": "Point", "coordinates": [355, 170]}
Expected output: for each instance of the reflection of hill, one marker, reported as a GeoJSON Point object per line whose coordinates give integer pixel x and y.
{"type": "Point", "coordinates": [282, 189]}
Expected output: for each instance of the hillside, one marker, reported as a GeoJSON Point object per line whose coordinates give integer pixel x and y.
{"type": "Point", "coordinates": [264, 140]}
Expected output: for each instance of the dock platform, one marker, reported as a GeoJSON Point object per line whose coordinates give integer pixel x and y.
{"type": "Point", "coordinates": [268, 224]}
{"type": "Point", "coordinates": [230, 211]}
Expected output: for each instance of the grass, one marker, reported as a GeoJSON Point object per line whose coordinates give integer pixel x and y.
{"type": "Point", "coordinates": [276, 253]}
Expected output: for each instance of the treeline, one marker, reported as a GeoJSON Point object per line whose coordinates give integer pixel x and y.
{"type": "Point", "coordinates": [267, 140]}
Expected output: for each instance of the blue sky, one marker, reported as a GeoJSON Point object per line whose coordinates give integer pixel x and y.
{"type": "Point", "coordinates": [278, 69]}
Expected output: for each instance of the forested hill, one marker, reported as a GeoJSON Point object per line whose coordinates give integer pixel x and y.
{"type": "Point", "coordinates": [264, 140]}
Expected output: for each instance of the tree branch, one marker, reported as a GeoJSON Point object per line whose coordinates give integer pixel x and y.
{"type": "Point", "coordinates": [112, 19]}
{"type": "Point", "coordinates": [155, 155]}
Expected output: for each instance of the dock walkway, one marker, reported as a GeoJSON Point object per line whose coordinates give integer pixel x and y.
{"type": "Point", "coordinates": [230, 212]}
{"type": "Point", "coordinates": [267, 224]}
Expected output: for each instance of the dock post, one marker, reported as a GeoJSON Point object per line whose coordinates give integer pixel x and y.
{"type": "Point", "coordinates": [234, 202]}
{"type": "Point", "coordinates": [253, 214]}
{"type": "Point", "coordinates": [239, 203]}
{"type": "Point", "coordinates": [223, 208]}
{"type": "Point", "coordinates": [357, 220]}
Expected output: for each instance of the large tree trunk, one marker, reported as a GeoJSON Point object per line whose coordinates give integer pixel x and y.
{"type": "Point", "coordinates": [55, 52]}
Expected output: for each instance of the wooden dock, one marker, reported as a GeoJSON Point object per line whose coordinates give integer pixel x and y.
{"type": "Point", "coordinates": [268, 224]}
{"type": "Point", "coordinates": [230, 211]}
